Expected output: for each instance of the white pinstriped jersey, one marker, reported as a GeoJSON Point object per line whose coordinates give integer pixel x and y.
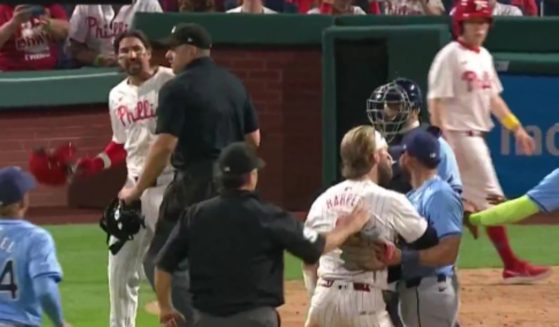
{"type": "Point", "coordinates": [132, 110]}
{"type": "Point", "coordinates": [391, 214]}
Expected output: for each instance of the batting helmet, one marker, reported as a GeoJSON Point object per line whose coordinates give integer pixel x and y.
{"type": "Point", "coordinates": [52, 166]}
{"type": "Point", "coordinates": [388, 109]}
{"type": "Point", "coordinates": [122, 222]}
{"type": "Point", "coordinates": [468, 9]}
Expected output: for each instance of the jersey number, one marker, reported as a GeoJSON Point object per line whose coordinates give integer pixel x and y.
{"type": "Point", "coordinates": [7, 279]}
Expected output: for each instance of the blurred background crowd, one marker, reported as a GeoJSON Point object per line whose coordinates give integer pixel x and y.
{"type": "Point", "coordinates": [58, 36]}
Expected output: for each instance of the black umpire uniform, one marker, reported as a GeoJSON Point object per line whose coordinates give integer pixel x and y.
{"type": "Point", "coordinates": [234, 244]}
{"type": "Point", "coordinates": [206, 108]}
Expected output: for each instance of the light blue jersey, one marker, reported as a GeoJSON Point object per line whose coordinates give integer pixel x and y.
{"type": "Point", "coordinates": [442, 207]}
{"type": "Point", "coordinates": [448, 167]}
{"type": "Point", "coordinates": [546, 193]}
{"type": "Point", "coordinates": [26, 252]}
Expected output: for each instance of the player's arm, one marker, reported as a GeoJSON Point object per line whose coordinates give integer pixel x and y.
{"type": "Point", "coordinates": [114, 153]}
{"type": "Point", "coordinates": [308, 244]}
{"type": "Point", "coordinates": [508, 212]}
{"type": "Point", "coordinates": [252, 132]}
{"type": "Point", "coordinates": [45, 273]}
{"type": "Point", "coordinates": [173, 252]}
{"type": "Point", "coordinates": [170, 122]}
{"type": "Point", "coordinates": [313, 222]}
{"type": "Point", "coordinates": [440, 87]}
{"type": "Point", "coordinates": [408, 224]}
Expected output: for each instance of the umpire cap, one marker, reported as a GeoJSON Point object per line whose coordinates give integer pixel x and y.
{"type": "Point", "coordinates": [188, 33]}
{"type": "Point", "coordinates": [238, 159]}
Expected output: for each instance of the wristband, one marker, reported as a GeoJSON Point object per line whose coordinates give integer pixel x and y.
{"type": "Point", "coordinates": [410, 257]}
{"type": "Point", "coordinates": [510, 122]}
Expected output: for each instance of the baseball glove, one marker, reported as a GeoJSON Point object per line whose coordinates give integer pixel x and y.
{"type": "Point", "coordinates": [358, 253]}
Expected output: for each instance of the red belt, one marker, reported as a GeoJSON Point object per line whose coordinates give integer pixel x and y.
{"type": "Point", "coordinates": [356, 286]}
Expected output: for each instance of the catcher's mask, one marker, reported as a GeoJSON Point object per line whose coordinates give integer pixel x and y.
{"type": "Point", "coordinates": [122, 222]}
{"type": "Point", "coordinates": [388, 109]}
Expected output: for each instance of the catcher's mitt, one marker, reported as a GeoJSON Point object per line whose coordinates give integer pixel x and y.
{"type": "Point", "coordinates": [53, 166]}
{"type": "Point", "coordinates": [122, 222]}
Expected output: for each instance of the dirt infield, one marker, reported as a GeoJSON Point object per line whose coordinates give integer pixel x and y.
{"type": "Point", "coordinates": [485, 302]}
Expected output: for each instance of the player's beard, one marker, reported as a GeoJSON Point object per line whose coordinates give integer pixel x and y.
{"type": "Point", "coordinates": [384, 172]}
{"type": "Point", "coordinates": [134, 68]}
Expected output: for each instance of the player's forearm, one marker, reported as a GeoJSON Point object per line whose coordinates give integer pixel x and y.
{"type": "Point", "coordinates": [445, 253]}
{"type": "Point", "coordinates": [506, 213]}
{"type": "Point", "coordinates": [163, 288]}
{"type": "Point", "coordinates": [501, 110]}
{"type": "Point", "coordinates": [7, 31]}
{"type": "Point", "coordinates": [158, 158]}
{"type": "Point", "coordinates": [435, 112]}
{"type": "Point", "coordinates": [47, 290]}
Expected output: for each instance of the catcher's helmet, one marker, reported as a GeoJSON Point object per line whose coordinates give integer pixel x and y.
{"type": "Point", "coordinates": [122, 222]}
{"type": "Point", "coordinates": [388, 109]}
{"type": "Point", "coordinates": [468, 9]}
{"type": "Point", "coordinates": [415, 96]}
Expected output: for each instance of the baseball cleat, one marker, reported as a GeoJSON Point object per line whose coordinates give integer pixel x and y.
{"type": "Point", "coordinates": [525, 273]}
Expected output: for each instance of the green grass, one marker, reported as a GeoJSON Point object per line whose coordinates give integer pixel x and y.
{"type": "Point", "coordinates": [82, 253]}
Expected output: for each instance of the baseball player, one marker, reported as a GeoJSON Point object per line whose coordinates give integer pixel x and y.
{"type": "Point", "coordinates": [353, 297]}
{"type": "Point", "coordinates": [541, 198]}
{"type": "Point", "coordinates": [29, 269]}
{"type": "Point", "coordinates": [93, 29]}
{"type": "Point", "coordinates": [394, 110]}
{"type": "Point", "coordinates": [132, 108]}
{"type": "Point", "coordinates": [428, 287]}
{"type": "Point", "coordinates": [464, 90]}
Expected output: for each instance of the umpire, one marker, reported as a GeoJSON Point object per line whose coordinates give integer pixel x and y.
{"type": "Point", "coordinates": [234, 244]}
{"type": "Point", "coordinates": [202, 110]}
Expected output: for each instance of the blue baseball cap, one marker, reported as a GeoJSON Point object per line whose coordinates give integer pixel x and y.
{"type": "Point", "coordinates": [14, 183]}
{"type": "Point", "coordinates": [424, 146]}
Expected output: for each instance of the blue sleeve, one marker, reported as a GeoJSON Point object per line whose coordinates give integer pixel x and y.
{"type": "Point", "coordinates": [43, 259]}
{"type": "Point", "coordinates": [46, 289]}
{"type": "Point", "coordinates": [445, 212]}
{"type": "Point", "coordinates": [546, 193]}
{"type": "Point", "coordinates": [448, 167]}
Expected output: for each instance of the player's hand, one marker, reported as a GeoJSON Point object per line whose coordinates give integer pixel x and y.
{"type": "Point", "coordinates": [471, 227]}
{"type": "Point", "coordinates": [170, 318]}
{"type": "Point", "coordinates": [495, 199]}
{"type": "Point", "coordinates": [525, 141]}
{"type": "Point", "coordinates": [129, 195]}
{"type": "Point", "coordinates": [387, 252]}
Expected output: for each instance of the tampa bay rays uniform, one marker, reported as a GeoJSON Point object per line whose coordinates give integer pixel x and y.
{"type": "Point", "coordinates": [133, 120]}
{"type": "Point", "coordinates": [428, 296]}
{"type": "Point", "coordinates": [344, 298]}
{"type": "Point", "coordinates": [546, 193]}
{"type": "Point", "coordinates": [26, 252]}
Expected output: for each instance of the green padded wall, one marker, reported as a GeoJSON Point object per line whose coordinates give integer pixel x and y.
{"type": "Point", "coordinates": [409, 52]}
{"type": "Point", "coordinates": [285, 29]}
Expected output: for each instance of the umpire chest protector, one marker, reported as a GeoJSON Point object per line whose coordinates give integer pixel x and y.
{"type": "Point", "coordinates": [122, 222]}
